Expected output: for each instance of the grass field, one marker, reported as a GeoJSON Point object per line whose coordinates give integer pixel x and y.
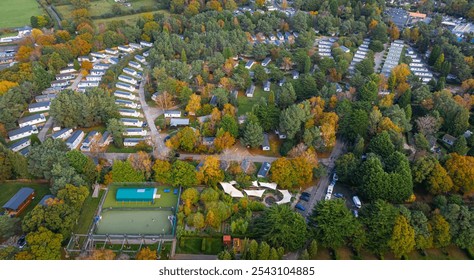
{"type": "Point", "coordinates": [17, 13]}
{"type": "Point", "coordinates": [166, 199]}
{"type": "Point", "coordinates": [245, 103]}
{"type": "Point", "coordinates": [87, 213]}
{"type": "Point", "coordinates": [129, 19]}
{"type": "Point", "coordinates": [99, 8]}
{"type": "Point", "coordinates": [7, 190]}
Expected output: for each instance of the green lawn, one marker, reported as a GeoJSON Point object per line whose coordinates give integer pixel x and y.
{"type": "Point", "coordinates": [99, 8]}
{"type": "Point", "coordinates": [112, 149]}
{"type": "Point", "coordinates": [200, 245]}
{"type": "Point", "coordinates": [130, 19]}
{"type": "Point", "coordinates": [245, 103]}
{"type": "Point", "coordinates": [17, 13]}
{"type": "Point", "coordinates": [7, 190]}
{"type": "Point", "coordinates": [87, 213]}
{"type": "Point", "coordinates": [165, 200]}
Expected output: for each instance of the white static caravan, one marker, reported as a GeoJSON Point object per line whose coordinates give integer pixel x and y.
{"type": "Point", "coordinates": [131, 122]}
{"type": "Point", "coordinates": [124, 94]}
{"type": "Point", "coordinates": [130, 71]}
{"type": "Point", "coordinates": [31, 120]}
{"type": "Point", "coordinates": [22, 132]}
{"type": "Point", "coordinates": [140, 58]}
{"type": "Point", "coordinates": [101, 66]}
{"type": "Point", "coordinates": [97, 72]}
{"type": "Point", "coordinates": [93, 78]}
{"type": "Point", "coordinates": [129, 113]}
{"type": "Point", "coordinates": [67, 70]}
{"type": "Point", "coordinates": [90, 138]}
{"type": "Point", "coordinates": [127, 79]}
{"type": "Point", "coordinates": [111, 51]}
{"type": "Point", "coordinates": [98, 55]}
{"type": "Point", "coordinates": [172, 114]}
{"type": "Point", "coordinates": [23, 143]}
{"type": "Point", "coordinates": [75, 139]}
{"type": "Point", "coordinates": [130, 142]}
{"type": "Point", "coordinates": [125, 86]}
{"type": "Point", "coordinates": [135, 65]}
{"type": "Point", "coordinates": [135, 132]}
{"type": "Point", "coordinates": [39, 107]}
{"type": "Point", "coordinates": [146, 44]}
{"type": "Point", "coordinates": [126, 49]}
{"type": "Point", "coordinates": [62, 134]}
{"type": "Point", "coordinates": [67, 76]}
{"type": "Point", "coordinates": [127, 103]}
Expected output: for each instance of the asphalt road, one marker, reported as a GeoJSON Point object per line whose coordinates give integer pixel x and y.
{"type": "Point", "coordinates": [159, 148]}
{"type": "Point", "coordinates": [318, 192]}
{"type": "Point", "coordinates": [44, 130]}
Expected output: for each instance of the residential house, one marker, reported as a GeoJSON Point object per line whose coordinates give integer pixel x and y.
{"type": "Point", "coordinates": [154, 96]}
{"type": "Point", "coordinates": [281, 82]}
{"type": "Point", "coordinates": [172, 114]}
{"type": "Point", "coordinates": [25, 152]}
{"type": "Point", "coordinates": [213, 101]}
{"type": "Point", "coordinates": [60, 84]}
{"type": "Point", "coordinates": [208, 141]}
{"type": "Point", "coordinates": [75, 139]}
{"type": "Point", "coordinates": [266, 86]}
{"type": "Point", "coordinates": [131, 142]}
{"type": "Point", "coordinates": [19, 201]}
{"type": "Point", "coordinates": [63, 77]}
{"type": "Point", "coordinates": [39, 106]}
{"type": "Point", "coordinates": [234, 94]}
{"type": "Point", "coordinates": [241, 119]}
{"type": "Point", "coordinates": [105, 139]}
{"type": "Point", "coordinates": [266, 143]}
{"type": "Point", "coordinates": [31, 120]}
{"type": "Point", "coordinates": [203, 119]}
{"type": "Point", "coordinates": [250, 91]}
{"type": "Point", "coordinates": [295, 74]}
{"type": "Point", "coordinates": [146, 44]}
{"type": "Point", "coordinates": [264, 169]}
{"type": "Point", "coordinates": [62, 134]}
{"type": "Point", "coordinates": [266, 61]}
{"type": "Point", "coordinates": [23, 143]}
{"type": "Point", "coordinates": [44, 201]}
{"type": "Point", "coordinates": [174, 122]}
{"type": "Point", "coordinates": [131, 122]}
{"type": "Point", "coordinates": [92, 78]}
{"type": "Point", "coordinates": [97, 72]}
{"type": "Point", "coordinates": [448, 139]}
{"type": "Point", "coordinates": [90, 139]}
{"type": "Point", "coordinates": [67, 70]}
{"type": "Point", "coordinates": [345, 49]}
{"type": "Point", "coordinates": [45, 97]}
{"type": "Point", "coordinates": [101, 66]}
{"type": "Point", "coordinates": [280, 135]}
{"type": "Point", "coordinates": [249, 64]}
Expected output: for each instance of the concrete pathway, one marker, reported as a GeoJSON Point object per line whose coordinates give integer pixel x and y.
{"type": "Point", "coordinates": [45, 129]}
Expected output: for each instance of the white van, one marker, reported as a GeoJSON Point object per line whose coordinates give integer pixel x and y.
{"type": "Point", "coordinates": [356, 201]}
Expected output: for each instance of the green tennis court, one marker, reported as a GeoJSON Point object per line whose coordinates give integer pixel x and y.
{"type": "Point", "coordinates": [140, 221]}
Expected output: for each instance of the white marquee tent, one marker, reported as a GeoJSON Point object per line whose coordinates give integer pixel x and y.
{"type": "Point", "coordinates": [286, 197]}
{"type": "Point", "coordinates": [231, 190]}
{"type": "Point", "coordinates": [257, 193]}
{"type": "Point", "coordinates": [272, 186]}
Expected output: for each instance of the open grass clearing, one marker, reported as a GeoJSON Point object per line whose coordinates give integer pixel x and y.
{"type": "Point", "coordinates": [17, 13]}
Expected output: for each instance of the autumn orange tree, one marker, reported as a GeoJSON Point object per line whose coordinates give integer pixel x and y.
{"type": "Point", "coordinates": [461, 170]}
{"type": "Point", "coordinates": [194, 104]}
{"type": "Point", "coordinates": [6, 85]}
{"type": "Point", "coordinates": [210, 173]}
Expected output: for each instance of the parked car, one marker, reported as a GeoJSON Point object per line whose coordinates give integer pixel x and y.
{"type": "Point", "coordinates": [21, 242]}
{"type": "Point", "coordinates": [145, 124]}
{"type": "Point", "coordinates": [357, 202]}
{"type": "Point", "coordinates": [355, 213]}
{"type": "Point", "coordinates": [300, 207]}
{"type": "Point", "coordinates": [304, 198]}
{"type": "Point", "coordinates": [338, 195]}
{"type": "Point", "coordinates": [306, 194]}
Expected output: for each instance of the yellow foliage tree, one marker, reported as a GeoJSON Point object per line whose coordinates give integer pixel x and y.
{"type": "Point", "coordinates": [210, 172]}
{"type": "Point", "coordinates": [6, 85]}
{"type": "Point", "coordinates": [146, 254]}
{"type": "Point", "coordinates": [194, 104]}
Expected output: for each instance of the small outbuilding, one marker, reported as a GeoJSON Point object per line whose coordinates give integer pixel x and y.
{"type": "Point", "coordinates": [19, 201]}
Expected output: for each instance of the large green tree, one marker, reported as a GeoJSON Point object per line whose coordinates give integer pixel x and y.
{"type": "Point", "coordinates": [183, 174]}
{"type": "Point", "coordinates": [334, 223]}
{"type": "Point", "coordinates": [280, 226]}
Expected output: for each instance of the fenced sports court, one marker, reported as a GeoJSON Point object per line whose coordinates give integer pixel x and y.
{"type": "Point", "coordinates": [142, 209]}
{"type": "Point", "coordinates": [135, 221]}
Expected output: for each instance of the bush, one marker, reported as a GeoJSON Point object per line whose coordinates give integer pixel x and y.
{"type": "Point", "coordinates": [256, 206]}
{"type": "Point", "coordinates": [376, 46]}
{"type": "Point", "coordinates": [470, 252]}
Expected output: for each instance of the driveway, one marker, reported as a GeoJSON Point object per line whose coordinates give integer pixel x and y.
{"type": "Point", "coordinates": [44, 130]}
{"type": "Point", "coordinates": [159, 148]}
